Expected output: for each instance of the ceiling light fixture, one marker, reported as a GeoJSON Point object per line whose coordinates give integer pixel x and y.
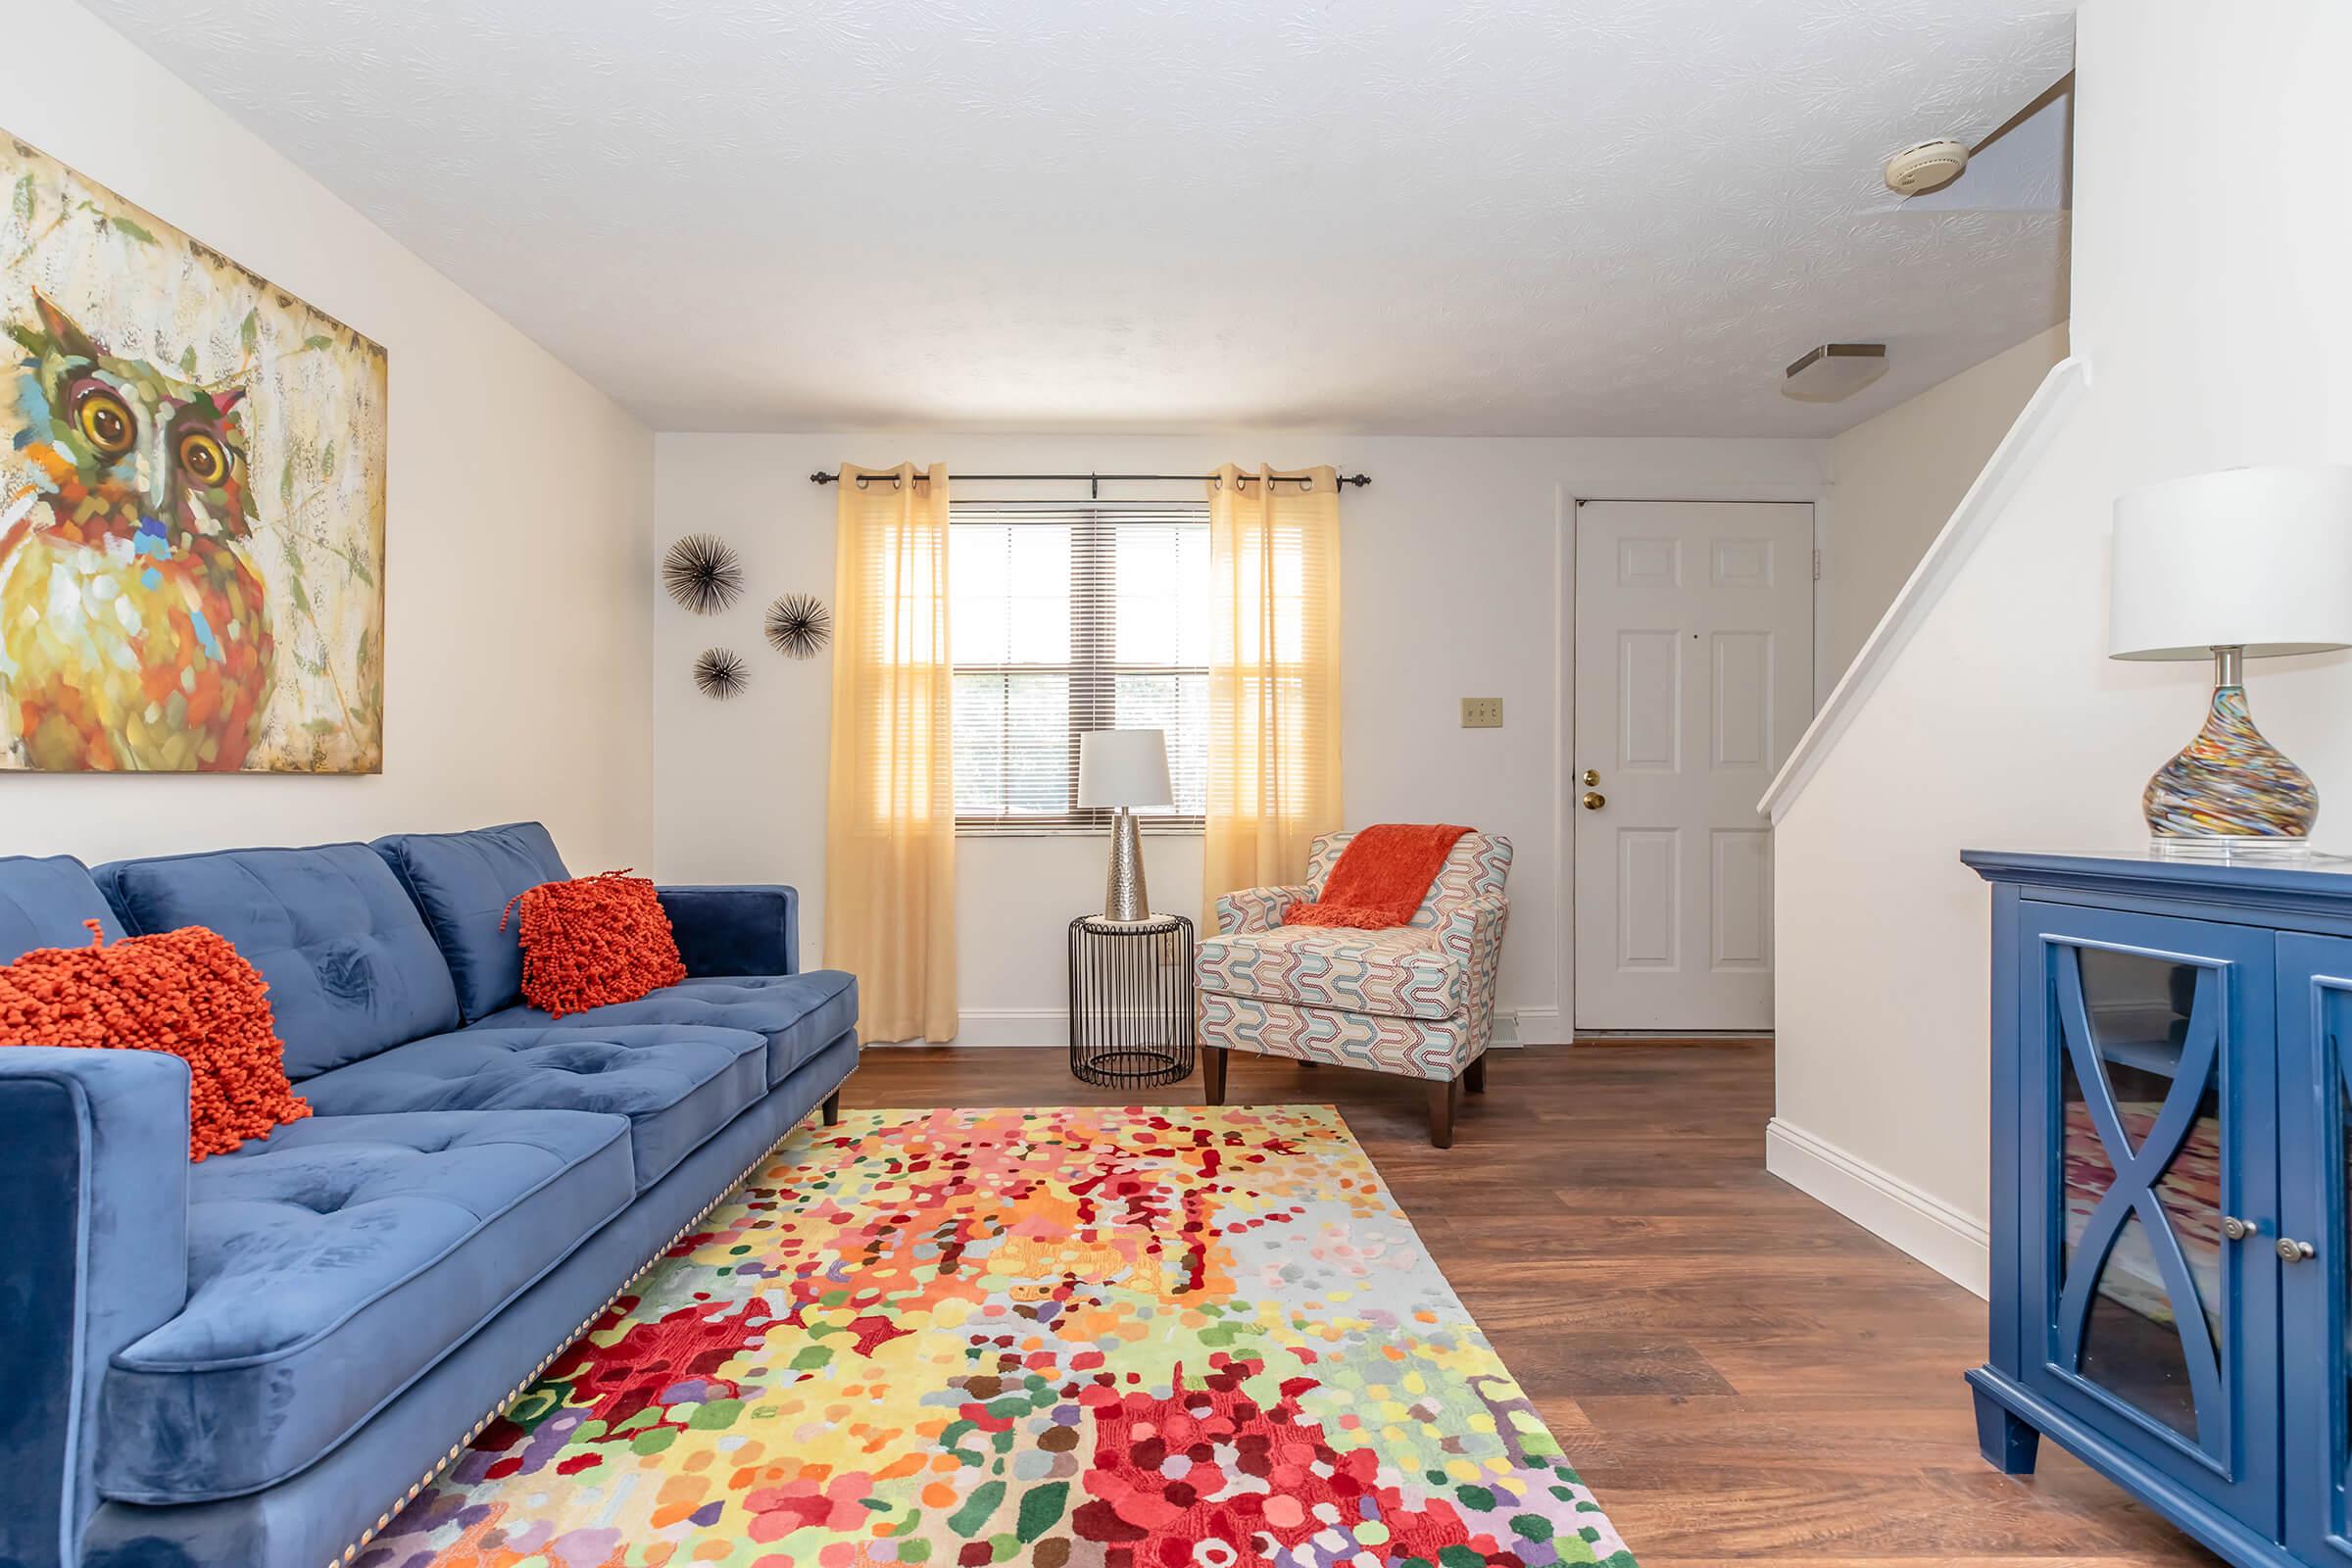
{"type": "Point", "coordinates": [1834, 371]}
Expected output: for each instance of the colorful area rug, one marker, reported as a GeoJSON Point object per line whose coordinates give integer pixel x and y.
{"type": "Point", "coordinates": [1179, 1338]}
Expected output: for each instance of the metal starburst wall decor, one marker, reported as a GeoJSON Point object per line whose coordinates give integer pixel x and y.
{"type": "Point", "coordinates": [702, 573]}
{"type": "Point", "coordinates": [797, 625]}
{"type": "Point", "coordinates": [721, 673]}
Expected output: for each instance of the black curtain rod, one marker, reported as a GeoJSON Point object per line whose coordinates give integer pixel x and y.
{"type": "Point", "coordinates": [1093, 481]}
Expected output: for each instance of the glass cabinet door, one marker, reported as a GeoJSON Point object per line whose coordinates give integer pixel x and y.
{"type": "Point", "coordinates": [2139, 1296]}
{"type": "Point", "coordinates": [2315, 1149]}
{"type": "Point", "coordinates": [2139, 1092]}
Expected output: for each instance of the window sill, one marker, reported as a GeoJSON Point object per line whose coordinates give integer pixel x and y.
{"type": "Point", "coordinates": [974, 830]}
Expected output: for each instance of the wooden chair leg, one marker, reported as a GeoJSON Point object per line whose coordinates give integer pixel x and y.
{"type": "Point", "coordinates": [832, 1109]}
{"type": "Point", "coordinates": [1474, 1076]}
{"type": "Point", "coordinates": [1212, 1074]}
{"type": "Point", "coordinates": [1444, 1098]}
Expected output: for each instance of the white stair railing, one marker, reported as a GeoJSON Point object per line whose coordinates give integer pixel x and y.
{"type": "Point", "coordinates": [2045, 412]}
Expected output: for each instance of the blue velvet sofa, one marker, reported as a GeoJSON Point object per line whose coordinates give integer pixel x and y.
{"type": "Point", "coordinates": [254, 1361]}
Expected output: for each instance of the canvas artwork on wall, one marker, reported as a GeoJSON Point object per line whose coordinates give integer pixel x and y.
{"type": "Point", "coordinates": [191, 501]}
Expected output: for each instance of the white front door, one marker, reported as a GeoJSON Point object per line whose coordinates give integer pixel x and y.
{"type": "Point", "coordinates": [1693, 678]}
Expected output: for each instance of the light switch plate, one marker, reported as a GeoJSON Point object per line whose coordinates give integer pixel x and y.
{"type": "Point", "coordinates": [1481, 712]}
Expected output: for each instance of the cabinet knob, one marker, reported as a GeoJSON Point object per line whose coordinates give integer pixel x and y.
{"type": "Point", "coordinates": [2237, 1230]}
{"type": "Point", "coordinates": [2294, 1251]}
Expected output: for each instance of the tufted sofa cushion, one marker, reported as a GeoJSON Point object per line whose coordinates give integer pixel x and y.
{"type": "Point", "coordinates": [351, 967]}
{"type": "Point", "coordinates": [43, 902]}
{"type": "Point", "coordinates": [1399, 973]}
{"type": "Point", "coordinates": [463, 883]}
{"type": "Point", "coordinates": [328, 1268]}
{"type": "Point", "coordinates": [799, 1014]}
{"type": "Point", "coordinates": [676, 1085]}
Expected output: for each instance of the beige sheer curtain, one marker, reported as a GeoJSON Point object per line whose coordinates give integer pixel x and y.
{"type": "Point", "coordinates": [890, 820]}
{"type": "Point", "coordinates": [1273, 675]}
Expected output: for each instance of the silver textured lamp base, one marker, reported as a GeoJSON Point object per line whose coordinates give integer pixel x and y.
{"type": "Point", "coordinates": [1124, 895]}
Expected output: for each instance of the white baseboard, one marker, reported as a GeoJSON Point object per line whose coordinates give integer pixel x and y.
{"type": "Point", "coordinates": [1051, 1026]}
{"type": "Point", "coordinates": [1931, 1230]}
{"type": "Point", "coordinates": [1014, 1026]}
{"type": "Point", "coordinates": [1534, 1026]}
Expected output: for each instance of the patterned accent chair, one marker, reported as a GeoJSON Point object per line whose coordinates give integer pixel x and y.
{"type": "Point", "coordinates": [1417, 1001]}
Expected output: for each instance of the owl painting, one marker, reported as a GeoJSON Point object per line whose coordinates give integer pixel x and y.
{"type": "Point", "coordinates": [134, 627]}
{"type": "Point", "coordinates": [192, 502]}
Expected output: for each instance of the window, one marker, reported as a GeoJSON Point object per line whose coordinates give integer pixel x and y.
{"type": "Point", "coordinates": [1065, 618]}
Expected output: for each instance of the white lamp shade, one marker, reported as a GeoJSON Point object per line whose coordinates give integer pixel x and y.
{"type": "Point", "coordinates": [1124, 768]}
{"type": "Point", "coordinates": [2254, 558]}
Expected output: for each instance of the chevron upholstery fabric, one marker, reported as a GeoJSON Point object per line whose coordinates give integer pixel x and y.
{"type": "Point", "coordinates": [1258, 909]}
{"type": "Point", "coordinates": [1402, 973]}
{"type": "Point", "coordinates": [1417, 1001]}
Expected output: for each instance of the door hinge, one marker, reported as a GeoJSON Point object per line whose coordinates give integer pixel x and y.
{"type": "Point", "coordinates": [1817, 565]}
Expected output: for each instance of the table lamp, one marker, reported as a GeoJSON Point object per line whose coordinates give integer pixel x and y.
{"type": "Point", "coordinates": [2244, 563]}
{"type": "Point", "coordinates": [1123, 768]}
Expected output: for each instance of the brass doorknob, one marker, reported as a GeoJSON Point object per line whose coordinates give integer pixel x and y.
{"type": "Point", "coordinates": [1591, 775]}
{"type": "Point", "coordinates": [1593, 801]}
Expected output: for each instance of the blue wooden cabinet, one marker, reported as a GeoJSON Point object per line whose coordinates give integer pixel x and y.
{"type": "Point", "coordinates": [2172, 1088]}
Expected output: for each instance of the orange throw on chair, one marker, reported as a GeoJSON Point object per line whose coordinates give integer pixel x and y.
{"type": "Point", "coordinates": [1383, 875]}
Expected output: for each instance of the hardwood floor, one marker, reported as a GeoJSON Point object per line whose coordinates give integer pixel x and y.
{"type": "Point", "coordinates": [1740, 1374]}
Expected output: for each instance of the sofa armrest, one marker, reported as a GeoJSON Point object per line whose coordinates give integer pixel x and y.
{"type": "Point", "coordinates": [1473, 933]}
{"type": "Point", "coordinates": [736, 930]}
{"type": "Point", "coordinates": [1257, 908]}
{"type": "Point", "coordinates": [94, 1234]}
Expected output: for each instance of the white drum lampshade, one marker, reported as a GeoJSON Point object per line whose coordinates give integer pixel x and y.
{"type": "Point", "coordinates": [2247, 562]}
{"type": "Point", "coordinates": [2254, 559]}
{"type": "Point", "coordinates": [1123, 768]}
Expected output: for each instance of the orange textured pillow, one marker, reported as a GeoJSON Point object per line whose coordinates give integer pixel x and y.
{"type": "Point", "coordinates": [185, 992]}
{"type": "Point", "coordinates": [594, 941]}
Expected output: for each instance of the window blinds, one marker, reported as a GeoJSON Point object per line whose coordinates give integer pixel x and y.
{"type": "Point", "coordinates": [1065, 618]}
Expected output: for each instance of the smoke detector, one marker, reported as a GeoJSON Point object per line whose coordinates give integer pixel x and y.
{"type": "Point", "coordinates": [1926, 166]}
{"type": "Point", "coordinates": [1834, 371]}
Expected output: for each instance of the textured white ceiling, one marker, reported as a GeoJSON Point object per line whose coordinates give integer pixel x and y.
{"type": "Point", "coordinates": [1502, 217]}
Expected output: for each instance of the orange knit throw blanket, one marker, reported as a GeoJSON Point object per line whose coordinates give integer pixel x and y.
{"type": "Point", "coordinates": [1383, 875]}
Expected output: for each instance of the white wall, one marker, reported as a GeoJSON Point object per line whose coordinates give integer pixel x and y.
{"type": "Point", "coordinates": [1895, 477]}
{"type": "Point", "coordinates": [518, 547]}
{"type": "Point", "coordinates": [1452, 583]}
{"type": "Point", "coordinates": [2207, 300]}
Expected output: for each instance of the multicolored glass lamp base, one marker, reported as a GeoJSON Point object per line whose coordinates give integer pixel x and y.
{"type": "Point", "coordinates": [2230, 793]}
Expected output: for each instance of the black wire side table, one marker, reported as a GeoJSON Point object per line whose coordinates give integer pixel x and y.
{"type": "Point", "coordinates": [1130, 1001]}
